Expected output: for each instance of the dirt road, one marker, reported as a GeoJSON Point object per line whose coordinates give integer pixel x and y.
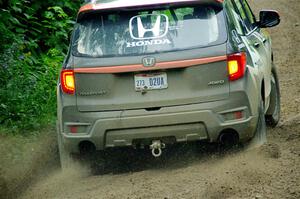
{"type": "Point", "coordinates": [270, 171]}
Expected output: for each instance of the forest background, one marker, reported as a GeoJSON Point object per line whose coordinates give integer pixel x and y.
{"type": "Point", "coordinates": [34, 39]}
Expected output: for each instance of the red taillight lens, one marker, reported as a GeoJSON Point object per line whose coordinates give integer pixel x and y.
{"type": "Point", "coordinates": [67, 81]}
{"type": "Point", "coordinates": [236, 64]}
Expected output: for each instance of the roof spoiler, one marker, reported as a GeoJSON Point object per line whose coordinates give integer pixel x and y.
{"type": "Point", "coordinates": [96, 5]}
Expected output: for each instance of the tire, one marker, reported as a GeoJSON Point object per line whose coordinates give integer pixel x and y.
{"type": "Point", "coordinates": [260, 134]}
{"type": "Point", "coordinates": [66, 160]}
{"type": "Point", "coordinates": [273, 113]}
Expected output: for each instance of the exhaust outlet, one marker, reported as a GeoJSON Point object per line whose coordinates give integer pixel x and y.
{"type": "Point", "coordinates": [229, 138]}
{"type": "Point", "coordinates": [156, 148]}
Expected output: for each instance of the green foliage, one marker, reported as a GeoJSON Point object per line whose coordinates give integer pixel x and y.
{"type": "Point", "coordinates": [34, 40]}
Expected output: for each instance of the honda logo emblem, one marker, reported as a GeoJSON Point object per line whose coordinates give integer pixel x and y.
{"type": "Point", "coordinates": [141, 25]}
{"type": "Point", "coordinates": [149, 61]}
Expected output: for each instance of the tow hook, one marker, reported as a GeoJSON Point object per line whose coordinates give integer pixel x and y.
{"type": "Point", "coordinates": [156, 148]}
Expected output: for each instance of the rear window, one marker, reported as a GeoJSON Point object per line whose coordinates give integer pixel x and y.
{"type": "Point", "coordinates": [126, 33]}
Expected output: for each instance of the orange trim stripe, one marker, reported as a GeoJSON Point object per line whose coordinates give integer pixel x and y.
{"type": "Point", "coordinates": [160, 65]}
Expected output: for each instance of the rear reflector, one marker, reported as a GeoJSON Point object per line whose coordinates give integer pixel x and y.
{"type": "Point", "coordinates": [237, 115]}
{"type": "Point", "coordinates": [73, 129]}
{"type": "Point", "coordinates": [67, 81]}
{"type": "Point", "coordinates": [236, 64]}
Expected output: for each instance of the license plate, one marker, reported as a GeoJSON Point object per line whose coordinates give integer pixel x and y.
{"type": "Point", "coordinates": [153, 81]}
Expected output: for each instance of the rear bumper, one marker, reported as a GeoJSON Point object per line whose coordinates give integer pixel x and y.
{"type": "Point", "coordinates": [203, 121]}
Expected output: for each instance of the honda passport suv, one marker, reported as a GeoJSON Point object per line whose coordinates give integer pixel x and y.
{"type": "Point", "coordinates": [153, 73]}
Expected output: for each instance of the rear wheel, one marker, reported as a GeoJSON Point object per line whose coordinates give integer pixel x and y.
{"type": "Point", "coordinates": [64, 156]}
{"type": "Point", "coordinates": [260, 134]}
{"type": "Point", "coordinates": [273, 113]}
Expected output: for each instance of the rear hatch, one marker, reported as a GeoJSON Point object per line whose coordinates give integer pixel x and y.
{"type": "Point", "coordinates": [150, 58]}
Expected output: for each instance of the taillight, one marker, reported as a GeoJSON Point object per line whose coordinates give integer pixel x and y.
{"type": "Point", "coordinates": [67, 81]}
{"type": "Point", "coordinates": [236, 64]}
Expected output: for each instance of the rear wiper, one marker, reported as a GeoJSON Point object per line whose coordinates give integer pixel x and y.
{"type": "Point", "coordinates": [174, 15]}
